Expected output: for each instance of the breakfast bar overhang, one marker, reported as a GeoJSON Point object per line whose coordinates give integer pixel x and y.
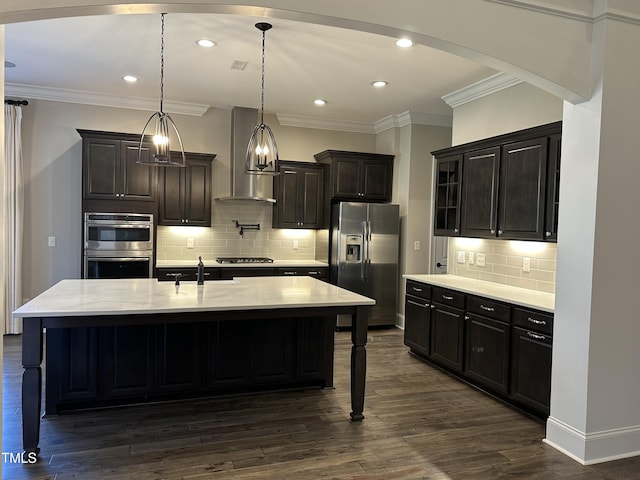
{"type": "Point", "coordinates": [77, 304]}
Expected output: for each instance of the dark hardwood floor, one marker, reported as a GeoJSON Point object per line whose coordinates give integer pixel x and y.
{"type": "Point", "coordinates": [419, 424]}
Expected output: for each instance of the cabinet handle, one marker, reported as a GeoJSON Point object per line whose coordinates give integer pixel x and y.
{"type": "Point", "coordinates": [433, 306]}
{"type": "Point", "coordinates": [446, 297]}
{"type": "Point", "coordinates": [455, 230]}
{"type": "Point", "coordinates": [536, 336]}
{"type": "Point", "coordinates": [500, 232]}
{"type": "Point", "coordinates": [313, 272]}
{"type": "Point", "coordinates": [537, 322]}
{"type": "Point", "coordinates": [488, 309]}
{"type": "Point", "coordinates": [289, 273]}
{"type": "Point", "coordinates": [289, 171]}
{"type": "Point", "coordinates": [548, 234]}
{"type": "Point", "coordinates": [492, 232]}
{"type": "Point", "coordinates": [467, 317]}
{"type": "Point", "coordinates": [186, 220]}
{"type": "Point", "coordinates": [416, 289]}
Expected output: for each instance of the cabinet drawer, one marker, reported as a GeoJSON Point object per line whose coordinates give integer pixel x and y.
{"type": "Point", "coordinates": [418, 289]}
{"type": "Point", "coordinates": [448, 297]}
{"type": "Point", "coordinates": [186, 274]}
{"type": "Point", "coordinates": [533, 320]}
{"type": "Point", "coordinates": [304, 271]}
{"type": "Point", "coordinates": [489, 308]}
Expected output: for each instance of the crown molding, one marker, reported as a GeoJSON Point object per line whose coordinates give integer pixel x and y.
{"type": "Point", "coordinates": [412, 118]}
{"type": "Point", "coordinates": [103, 100]}
{"type": "Point", "coordinates": [324, 123]}
{"type": "Point", "coordinates": [589, 13]}
{"type": "Point", "coordinates": [391, 121]}
{"type": "Point", "coordinates": [482, 88]}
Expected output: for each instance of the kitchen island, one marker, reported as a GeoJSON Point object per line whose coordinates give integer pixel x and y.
{"type": "Point", "coordinates": [283, 321]}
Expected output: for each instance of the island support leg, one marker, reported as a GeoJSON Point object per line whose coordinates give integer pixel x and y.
{"type": "Point", "coordinates": [359, 329]}
{"type": "Point", "coordinates": [31, 383]}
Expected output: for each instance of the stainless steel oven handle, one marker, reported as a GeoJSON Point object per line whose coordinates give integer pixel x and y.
{"type": "Point", "coordinates": [119, 259]}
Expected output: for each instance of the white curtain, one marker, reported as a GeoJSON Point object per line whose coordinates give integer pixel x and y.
{"type": "Point", "coordinates": [13, 216]}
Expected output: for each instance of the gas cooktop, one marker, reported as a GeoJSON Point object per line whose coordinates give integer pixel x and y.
{"type": "Point", "coordinates": [244, 260]}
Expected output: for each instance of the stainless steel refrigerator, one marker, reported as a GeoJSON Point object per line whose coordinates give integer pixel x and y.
{"type": "Point", "coordinates": [363, 256]}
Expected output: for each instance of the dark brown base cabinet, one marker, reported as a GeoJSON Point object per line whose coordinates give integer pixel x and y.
{"type": "Point", "coordinates": [487, 352]}
{"type": "Point", "coordinates": [89, 367]}
{"type": "Point", "coordinates": [165, 274]}
{"type": "Point", "coordinates": [502, 349]}
{"type": "Point", "coordinates": [417, 324]}
{"type": "Point", "coordinates": [447, 328]}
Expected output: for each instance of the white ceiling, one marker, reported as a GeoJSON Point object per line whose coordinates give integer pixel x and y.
{"type": "Point", "coordinates": [89, 55]}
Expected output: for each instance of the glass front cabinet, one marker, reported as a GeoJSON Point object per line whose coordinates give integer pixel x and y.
{"type": "Point", "coordinates": [447, 207]}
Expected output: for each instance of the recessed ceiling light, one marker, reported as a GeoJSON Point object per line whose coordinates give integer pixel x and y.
{"type": "Point", "coordinates": [379, 83]}
{"type": "Point", "coordinates": [130, 78]}
{"type": "Point", "coordinates": [319, 101]}
{"type": "Point", "coordinates": [203, 42]}
{"type": "Point", "coordinates": [404, 43]}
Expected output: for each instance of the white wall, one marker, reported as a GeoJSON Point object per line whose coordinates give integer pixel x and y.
{"type": "Point", "coordinates": [515, 108]}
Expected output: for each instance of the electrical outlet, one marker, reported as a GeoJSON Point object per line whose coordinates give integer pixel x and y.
{"type": "Point", "coordinates": [480, 260]}
{"type": "Point", "coordinates": [51, 241]}
{"type": "Point", "coordinates": [470, 258]}
{"type": "Point", "coordinates": [461, 257]}
{"type": "Point", "coordinates": [416, 245]}
{"type": "Point", "coordinates": [190, 242]}
{"type": "Point", "coordinates": [526, 264]}
{"type": "Point", "coordinates": [296, 244]}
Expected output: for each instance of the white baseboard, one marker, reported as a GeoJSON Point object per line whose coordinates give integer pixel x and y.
{"type": "Point", "coordinates": [595, 447]}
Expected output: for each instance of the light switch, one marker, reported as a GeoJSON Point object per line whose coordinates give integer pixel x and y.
{"type": "Point", "coordinates": [480, 259]}
{"type": "Point", "coordinates": [461, 257]}
{"type": "Point", "coordinates": [51, 241]}
{"type": "Point", "coordinates": [190, 242]}
{"type": "Point", "coordinates": [296, 244]}
{"type": "Point", "coordinates": [416, 245]}
{"type": "Point", "coordinates": [470, 258]}
{"type": "Point", "coordinates": [526, 264]}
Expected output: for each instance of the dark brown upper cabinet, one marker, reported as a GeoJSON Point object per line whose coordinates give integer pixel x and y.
{"type": "Point", "coordinates": [299, 193]}
{"type": "Point", "coordinates": [356, 176]}
{"type": "Point", "coordinates": [109, 168]}
{"type": "Point", "coordinates": [480, 193]}
{"type": "Point", "coordinates": [448, 193]}
{"type": "Point", "coordinates": [553, 188]}
{"type": "Point", "coordinates": [507, 186]}
{"type": "Point", "coordinates": [185, 193]}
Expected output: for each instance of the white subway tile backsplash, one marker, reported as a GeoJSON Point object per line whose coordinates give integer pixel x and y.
{"type": "Point", "coordinates": [504, 262]}
{"type": "Point", "coordinates": [224, 239]}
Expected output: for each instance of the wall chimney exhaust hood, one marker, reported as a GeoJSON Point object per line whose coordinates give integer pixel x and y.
{"type": "Point", "coordinates": [243, 186]}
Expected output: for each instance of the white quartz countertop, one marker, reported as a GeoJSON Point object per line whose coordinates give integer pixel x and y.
{"type": "Point", "coordinates": [136, 296]}
{"type": "Point", "coordinates": [213, 263]}
{"type": "Point", "coordinates": [516, 295]}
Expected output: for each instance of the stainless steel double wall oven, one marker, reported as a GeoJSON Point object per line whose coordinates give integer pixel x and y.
{"type": "Point", "coordinates": [118, 245]}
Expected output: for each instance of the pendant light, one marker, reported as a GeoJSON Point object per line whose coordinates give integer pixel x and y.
{"type": "Point", "coordinates": [262, 151]}
{"type": "Point", "coordinates": [160, 124]}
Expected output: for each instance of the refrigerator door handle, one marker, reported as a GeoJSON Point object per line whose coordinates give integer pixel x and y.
{"type": "Point", "coordinates": [367, 249]}
{"type": "Point", "coordinates": [365, 252]}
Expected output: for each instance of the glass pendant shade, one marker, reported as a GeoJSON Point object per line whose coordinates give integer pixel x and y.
{"type": "Point", "coordinates": [262, 151]}
{"type": "Point", "coordinates": [158, 129]}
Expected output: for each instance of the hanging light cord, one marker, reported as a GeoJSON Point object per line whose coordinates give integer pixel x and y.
{"type": "Point", "coordinates": [262, 87]}
{"type": "Point", "coordinates": [162, 64]}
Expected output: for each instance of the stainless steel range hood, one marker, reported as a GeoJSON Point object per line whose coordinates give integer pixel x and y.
{"type": "Point", "coordinates": [243, 186]}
